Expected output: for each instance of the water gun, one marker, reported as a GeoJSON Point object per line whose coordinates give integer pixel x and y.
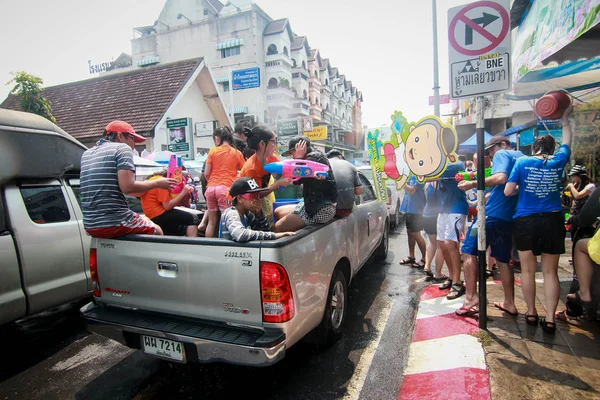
{"type": "Point", "coordinates": [176, 172]}
{"type": "Point", "coordinates": [297, 169]}
{"type": "Point", "coordinates": [471, 176]}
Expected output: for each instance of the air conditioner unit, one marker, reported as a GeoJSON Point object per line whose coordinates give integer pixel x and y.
{"type": "Point", "coordinates": [249, 120]}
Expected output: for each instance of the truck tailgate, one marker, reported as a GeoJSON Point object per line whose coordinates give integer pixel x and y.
{"type": "Point", "coordinates": [178, 276]}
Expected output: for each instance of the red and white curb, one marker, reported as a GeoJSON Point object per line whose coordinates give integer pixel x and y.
{"type": "Point", "coordinates": [445, 361]}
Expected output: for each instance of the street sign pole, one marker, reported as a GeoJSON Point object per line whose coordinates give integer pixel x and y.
{"type": "Point", "coordinates": [481, 239]}
{"type": "Point", "coordinates": [436, 78]}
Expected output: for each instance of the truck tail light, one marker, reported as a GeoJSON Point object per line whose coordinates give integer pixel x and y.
{"type": "Point", "coordinates": [276, 293]}
{"type": "Point", "coordinates": [389, 202]}
{"type": "Point", "coordinates": [94, 273]}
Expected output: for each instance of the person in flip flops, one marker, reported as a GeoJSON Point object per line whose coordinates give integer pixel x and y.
{"type": "Point", "coordinates": [499, 211]}
{"type": "Point", "coordinates": [415, 203]}
{"type": "Point", "coordinates": [430, 215]}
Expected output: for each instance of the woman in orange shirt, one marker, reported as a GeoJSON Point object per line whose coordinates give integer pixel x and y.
{"type": "Point", "coordinates": [263, 141]}
{"type": "Point", "coordinates": [158, 205]}
{"type": "Point", "coordinates": [222, 166]}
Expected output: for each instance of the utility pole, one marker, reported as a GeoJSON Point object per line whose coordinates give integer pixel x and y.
{"type": "Point", "coordinates": [481, 237]}
{"type": "Point", "coordinates": [436, 78]}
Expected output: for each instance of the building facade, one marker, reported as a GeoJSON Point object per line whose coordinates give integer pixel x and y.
{"type": "Point", "coordinates": [295, 81]}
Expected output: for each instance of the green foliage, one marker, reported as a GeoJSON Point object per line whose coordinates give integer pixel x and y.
{"type": "Point", "coordinates": [586, 139]}
{"type": "Point", "coordinates": [28, 88]}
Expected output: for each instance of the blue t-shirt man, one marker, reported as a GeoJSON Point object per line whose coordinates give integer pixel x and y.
{"type": "Point", "coordinates": [451, 199]}
{"type": "Point", "coordinates": [416, 201]}
{"type": "Point", "coordinates": [498, 205]}
{"type": "Point", "coordinates": [539, 182]}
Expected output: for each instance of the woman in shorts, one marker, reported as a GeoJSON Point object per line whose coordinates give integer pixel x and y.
{"type": "Point", "coordinates": [539, 222]}
{"type": "Point", "coordinates": [429, 223]}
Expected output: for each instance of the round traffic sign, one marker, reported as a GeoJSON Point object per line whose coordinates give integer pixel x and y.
{"type": "Point", "coordinates": [495, 41]}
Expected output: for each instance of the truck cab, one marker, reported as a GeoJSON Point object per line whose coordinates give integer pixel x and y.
{"type": "Point", "coordinates": [44, 250]}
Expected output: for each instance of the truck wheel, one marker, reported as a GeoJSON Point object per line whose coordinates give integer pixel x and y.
{"type": "Point", "coordinates": [380, 253]}
{"type": "Point", "coordinates": [395, 221]}
{"type": "Point", "coordinates": [335, 308]}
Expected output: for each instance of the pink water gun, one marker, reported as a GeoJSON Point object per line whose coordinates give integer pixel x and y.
{"type": "Point", "coordinates": [297, 169]}
{"type": "Point", "coordinates": [176, 172]}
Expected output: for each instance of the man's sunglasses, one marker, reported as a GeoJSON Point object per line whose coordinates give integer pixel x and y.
{"type": "Point", "coordinates": [250, 196]}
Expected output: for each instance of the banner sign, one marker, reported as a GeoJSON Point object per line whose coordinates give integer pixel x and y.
{"type": "Point", "coordinates": [317, 133]}
{"type": "Point", "coordinates": [423, 149]}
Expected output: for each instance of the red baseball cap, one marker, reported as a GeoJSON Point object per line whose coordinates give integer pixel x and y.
{"type": "Point", "coordinates": [123, 127]}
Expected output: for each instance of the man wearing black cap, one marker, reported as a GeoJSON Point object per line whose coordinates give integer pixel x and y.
{"type": "Point", "coordinates": [499, 212]}
{"type": "Point", "coordinates": [240, 223]}
{"type": "Point", "coordinates": [107, 174]}
{"type": "Point", "coordinates": [347, 182]}
{"type": "Point", "coordinates": [320, 194]}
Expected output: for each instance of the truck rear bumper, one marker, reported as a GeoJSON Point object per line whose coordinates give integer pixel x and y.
{"type": "Point", "coordinates": [203, 342]}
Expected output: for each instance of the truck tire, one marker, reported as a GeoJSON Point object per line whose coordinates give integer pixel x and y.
{"type": "Point", "coordinates": [335, 308]}
{"type": "Point", "coordinates": [380, 253]}
{"type": "Point", "coordinates": [395, 219]}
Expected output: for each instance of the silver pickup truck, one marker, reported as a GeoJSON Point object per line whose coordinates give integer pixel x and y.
{"type": "Point", "coordinates": [208, 300]}
{"type": "Point", "coordinates": [44, 250]}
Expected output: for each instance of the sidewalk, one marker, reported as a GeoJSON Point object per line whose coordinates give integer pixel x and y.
{"type": "Point", "coordinates": [526, 363]}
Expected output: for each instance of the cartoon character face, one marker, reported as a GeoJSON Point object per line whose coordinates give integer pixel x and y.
{"type": "Point", "coordinates": [423, 154]}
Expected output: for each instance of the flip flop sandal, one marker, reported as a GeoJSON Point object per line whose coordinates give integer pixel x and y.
{"type": "Point", "coordinates": [532, 319]}
{"type": "Point", "coordinates": [565, 317]}
{"type": "Point", "coordinates": [501, 308]}
{"type": "Point", "coordinates": [488, 273]}
{"type": "Point", "coordinates": [548, 327]}
{"type": "Point", "coordinates": [446, 285]}
{"type": "Point", "coordinates": [428, 273]}
{"type": "Point", "coordinates": [420, 264]}
{"type": "Point", "coordinates": [456, 291]}
{"type": "Point", "coordinates": [408, 260]}
{"type": "Point", "coordinates": [441, 279]}
{"type": "Point", "coordinates": [467, 312]}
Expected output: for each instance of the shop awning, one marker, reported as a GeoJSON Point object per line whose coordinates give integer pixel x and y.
{"type": "Point", "coordinates": [238, 110]}
{"type": "Point", "coordinates": [556, 48]}
{"type": "Point", "coordinates": [470, 145]}
{"type": "Point", "coordinates": [148, 61]}
{"type": "Point", "coordinates": [519, 128]}
{"type": "Point", "coordinates": [230, 43]}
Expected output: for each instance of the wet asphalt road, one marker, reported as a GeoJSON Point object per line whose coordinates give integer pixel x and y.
{"type": "Point", "coordinates": [55, 358]}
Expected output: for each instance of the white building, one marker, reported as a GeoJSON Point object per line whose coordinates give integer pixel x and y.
{"type": "Point", "coordinates": [294, 80]}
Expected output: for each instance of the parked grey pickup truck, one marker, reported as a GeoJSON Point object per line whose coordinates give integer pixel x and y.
{"type": "Point", "coordinates": [208, 300]}
{"type": "Point", "coordinates": [43, 248]}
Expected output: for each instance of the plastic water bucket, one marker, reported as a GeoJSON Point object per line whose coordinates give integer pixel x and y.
{"type": "Point", "coordinates": [552, 105]}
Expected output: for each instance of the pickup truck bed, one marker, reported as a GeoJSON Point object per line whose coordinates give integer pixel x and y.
{"type": "Point", "coordinates": [203, 299]}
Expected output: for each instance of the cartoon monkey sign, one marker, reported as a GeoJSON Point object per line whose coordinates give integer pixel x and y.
{"type": "Point", "coordinates": [422, 148]}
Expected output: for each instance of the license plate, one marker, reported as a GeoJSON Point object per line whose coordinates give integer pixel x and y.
{"type": "Point", "coordinates": [163, 347]}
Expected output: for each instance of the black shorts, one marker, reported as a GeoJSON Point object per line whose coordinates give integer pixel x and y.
{"type": "Point", "coordinates": [414, 222]}
{"type": "Point", "coordinates": [430, 225]}
{"type": "Point", "coordinates": [540, 233]}
{"type": "Point", "coordinates": [174, 222]}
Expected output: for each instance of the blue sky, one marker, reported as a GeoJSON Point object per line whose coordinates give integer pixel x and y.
{"type": "Point", "coordinates": [383, 46]}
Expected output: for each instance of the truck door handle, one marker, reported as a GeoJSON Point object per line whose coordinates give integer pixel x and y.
{"type": "Point", "coordinates": [369, 214]}
{"type": "Point", "coordinates": [168, 266]}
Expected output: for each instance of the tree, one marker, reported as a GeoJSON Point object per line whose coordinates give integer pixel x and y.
{"type": "Point", "coordinates": [586, 144]}
{"type": "Point", "coordinates": [28, 89]}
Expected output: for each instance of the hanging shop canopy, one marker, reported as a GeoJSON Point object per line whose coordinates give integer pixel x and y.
{"type": "Point", "coordinates": [557, 48]}
{"type": "Point", "coordinates": [470, 145]}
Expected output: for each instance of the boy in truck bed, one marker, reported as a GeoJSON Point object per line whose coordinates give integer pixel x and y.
{"type": "Point", "coordinates": [239, 223]}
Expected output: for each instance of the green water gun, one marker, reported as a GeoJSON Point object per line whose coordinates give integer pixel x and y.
{"type": "Point", "coordinates": [470, 176]}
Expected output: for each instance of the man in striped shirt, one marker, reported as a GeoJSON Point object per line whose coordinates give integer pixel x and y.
{"type": "Point", "coordinates": [107, 175]}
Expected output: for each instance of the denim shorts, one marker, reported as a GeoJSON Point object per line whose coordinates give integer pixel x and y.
{"type": "Point", "coordinates": [498, 237]}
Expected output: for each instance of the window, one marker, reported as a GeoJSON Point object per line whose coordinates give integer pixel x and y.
{"type": "Point", "coordinates": [293, 63]}
{"type": "Point", "coordinates": [272, 83]}
{"type": "Point", "coordinates": [303, 65]}
{"type": "Point", "coordinates": [285, 51]}
{"type": "Point", "coordinates": [368, 192]}
{"type": "Point", "coordinates": [272, 49]}
{"type": "Point", "coordinates": [316, 100]}
{"type": "Point", "coordinates": [230, 52]}
{"type": "Point", "coordinates": [225, 86]}
{"type": "Point", "coordinates": [206, 11]}
{"type": "Point", "coordinates": [327, 82]}
{"type": "Point", "coordinates": [45, 204]}
{"type": "Point", "coordinates": [304, 95]}
{"type": "Point", "coordinates": [316, 75]}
